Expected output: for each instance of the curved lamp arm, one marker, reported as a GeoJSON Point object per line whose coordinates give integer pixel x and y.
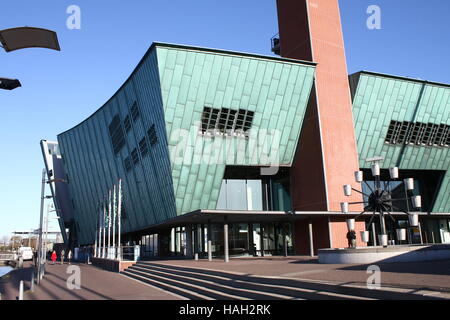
{"type": "Point", "coordinates": [28, 37]}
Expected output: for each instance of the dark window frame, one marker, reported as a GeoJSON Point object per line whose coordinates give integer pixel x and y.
{"type": "Point", "coordinates": [418, 133]}
{"type": "Point", "coordinates": [225, 121]}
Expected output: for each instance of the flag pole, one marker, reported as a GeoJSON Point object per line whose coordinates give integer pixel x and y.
{"type": "Point", "coordinates": [114, 222]}
{"type": "Point", "coordinates": [119, 210]}
{"type": "Point", "coordinates": [109, 224]}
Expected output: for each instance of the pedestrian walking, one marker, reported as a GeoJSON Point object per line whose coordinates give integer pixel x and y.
{"type": "Point", "coordinates": [53, 257]}
{"type": "Point", "coordinates": [69, 256]}
{"type": "Point", "coordinates": [62, 256]}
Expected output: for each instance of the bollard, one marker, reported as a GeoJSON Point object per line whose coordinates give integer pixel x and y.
{"type": "Point", "coordinates": [209, 251]}
{"type": "Point", "coordinates": [21, 290]}
{"type": "Point", "coordinates": [196, 257]}
{"type": "Point", "coordinates": [32, 281]}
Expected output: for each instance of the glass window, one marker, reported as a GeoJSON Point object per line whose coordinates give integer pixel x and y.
{"type": "Point", "coordinates": [238, 238]}
{"type": "Point", "coordinates": [236, 195]}
{"type": "Point", "coordinates": [155, 245]}
{"type": "Point", "coordinates": [217, 239]}
{"type": "Point", "coordinates": [281, 197]}
{"type": "Point", "coordinates": [257, 238]}
{"type": "Point", "coordinates": [269, 238]}
{"type": "Point", "coordinates": [254, 195]}
{"type": "Point", "coordinates": [222, 201]}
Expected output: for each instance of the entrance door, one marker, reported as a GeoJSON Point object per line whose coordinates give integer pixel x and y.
{"type": "Point", "coordinates": [256, 239]}
{"type": "Point", "coordinates": [164, 244]}
{"type": "Point", "coordinates": [269, 239]}
{"type": "Point", "coordinates": [239, 239]}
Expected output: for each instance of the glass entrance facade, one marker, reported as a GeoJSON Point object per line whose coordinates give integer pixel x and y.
{"type": "Point", "coordinates": [244, 239]}
{"type": "Point", "coordinates": [243, 188]}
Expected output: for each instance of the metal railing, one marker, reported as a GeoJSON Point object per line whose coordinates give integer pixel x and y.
{"type": "Point", "coordinates": [126, 253]}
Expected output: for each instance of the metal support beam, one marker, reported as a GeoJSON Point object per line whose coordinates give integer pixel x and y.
{"type": "Point", "coordinates": [225, 241]}
{"type": "Point", "coordinates": [209, 250]}
{"type": "Point", "coordinates": [374, 235]}
{"type": "Point", "coordinates": [261, 238]}
{"type": "Point", "coordinates": [21, 290]}
{"type": "Point", "coordinates": [420, 232]}
{"type": "Point", "coordinates": [41, 218]}
{"type": "Point", "coordinates": [330, 234]}
{"type": "Point", "coordinates": [311, 239]}
{"type": "Point", "coordinates": [196, 249]}
{"type": "Point", "coordinates": [208, 236]}
{"type": "Point", "coordinates": [189, 253]}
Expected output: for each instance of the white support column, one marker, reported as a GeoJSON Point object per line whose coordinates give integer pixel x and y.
{"type": "Point", "coordinates": [330, 233]}
{"type": "Point", "coordinates": [21, 290]}
{"type": "Point", "coordinates": [374, 235]}
{"type": "Point", "coordinates": [209, 250]}
{"type": "Point", "coordinates": [420, 232]}
{"type": "Point", "coordinates": [225, 241]}
{"type": "Point", "coordinates": [311, 239]}
{"type": "Point", "coordinates": [189, 251]}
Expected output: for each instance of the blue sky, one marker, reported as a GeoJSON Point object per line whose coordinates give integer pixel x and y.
{"type": "Point", "coordinates": [62, 88]}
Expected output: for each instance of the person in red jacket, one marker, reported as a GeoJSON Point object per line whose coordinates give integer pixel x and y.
{"type": "Point", "coordinates": [54, 257]}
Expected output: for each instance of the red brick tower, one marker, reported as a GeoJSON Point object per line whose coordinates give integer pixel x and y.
{"type": "Point", "coordinates": [327, 154]}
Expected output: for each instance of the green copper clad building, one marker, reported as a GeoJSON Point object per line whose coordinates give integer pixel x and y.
{"type": "Point", "coordinates": [407, 122]}
{"type": "Point", "coordinates": [225, 110]}
{"type": "Point", "coordinates": [250, 153]}
{"type": "Point", "coordinates": [192, 130]}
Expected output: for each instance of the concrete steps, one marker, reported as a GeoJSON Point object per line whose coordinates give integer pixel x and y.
{"type": "Point", "coordinates": [201, 284]}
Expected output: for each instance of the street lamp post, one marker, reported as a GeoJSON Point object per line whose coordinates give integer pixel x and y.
{"type": "Point", "coordinates": [25, 37]}
{"type": "Point", "coordinates": [41, 218]}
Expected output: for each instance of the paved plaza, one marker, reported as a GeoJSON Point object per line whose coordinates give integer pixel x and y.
{"type": "Point", "coordinates": [430, 275]}
{"type": "Point", "coordinates": [242, 278]}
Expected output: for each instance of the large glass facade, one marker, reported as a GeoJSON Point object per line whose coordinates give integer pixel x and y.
{"type": "Point", "coordinates": [238, 194]}
{"type": "Point", "coordinates": [239, 240]}
{"type": "Point", "coordinates": [177, 241]}
{"type": "Point", "coordinates": [149, 246]}
{"type": "Point", "coordinates": [244, 239]}
{"type": "Point", "coordinates": [244, 188]}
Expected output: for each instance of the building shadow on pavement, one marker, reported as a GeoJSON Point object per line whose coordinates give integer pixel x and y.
{"type": "Point", "coordinates": [441, 267]}
{"type": "Point", "coordinates": [214, 283]}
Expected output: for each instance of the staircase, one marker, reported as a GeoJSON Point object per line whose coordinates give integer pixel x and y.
{"type": "Point", "coordinates": [203, 284]}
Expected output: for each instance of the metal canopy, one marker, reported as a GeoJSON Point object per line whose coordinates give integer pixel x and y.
{"type": "Point", "coordinates": [9, 84]}
{"type": "Point", "coordinates": [28, 37]}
